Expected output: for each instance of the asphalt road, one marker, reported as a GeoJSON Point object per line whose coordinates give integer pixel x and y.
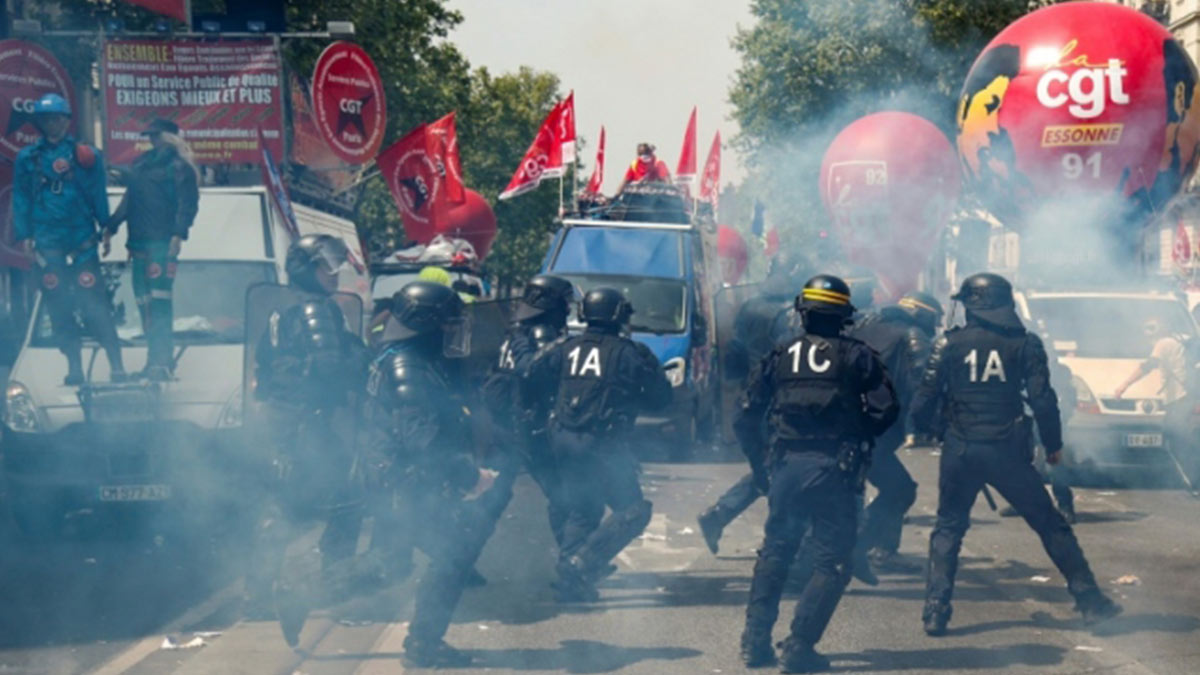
{"type": "Point", "coordinates": [672, 607]}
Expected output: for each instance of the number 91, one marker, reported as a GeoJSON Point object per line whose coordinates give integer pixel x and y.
{"type": "Point", "coordinates": [1073, 165]}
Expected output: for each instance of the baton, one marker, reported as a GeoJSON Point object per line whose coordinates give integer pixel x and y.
{"type": "Point", "coordinates": [987, 494]}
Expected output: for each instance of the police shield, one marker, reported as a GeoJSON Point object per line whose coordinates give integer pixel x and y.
{"type": "Point", "coordinates": [488, 321]}
{"type": "Point", "coordinates": [265, 303]}
{"type": "Point", "coordinates": [733, 360]}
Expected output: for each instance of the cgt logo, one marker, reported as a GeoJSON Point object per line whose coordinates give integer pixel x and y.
{"type": "Point", "coordinates": [24, 105]}
{"type": "Point", "coordinates": [1087, 90]}
{"type": "Point", "coordinates": [351, 106]}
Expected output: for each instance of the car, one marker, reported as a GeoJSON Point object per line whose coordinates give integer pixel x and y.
{"type": "Point", "coordinates": [1098, 335]}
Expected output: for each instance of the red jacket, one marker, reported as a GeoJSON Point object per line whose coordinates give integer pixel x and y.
{"type": "Point", "coordinates": [644, 172]}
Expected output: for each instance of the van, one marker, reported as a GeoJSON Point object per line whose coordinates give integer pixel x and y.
{"type": "Point", "coordinates": [72, 451]}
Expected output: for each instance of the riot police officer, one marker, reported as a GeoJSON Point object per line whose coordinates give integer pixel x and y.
{"type": "Point", "coordinates": [981, 377]}
{"type": "Point", "coordinates": [540, 319]}
{"type": "Point", "coordinates": [826, 396]}
{"type": "Point", "coordinates": [59, 199]}
{"type": "Point", "coordinates": [752, 340]}
{"type": "Point", "coordinates": [421, 452]}
{"type": "Point", "coordinates": [599, 382]}
{"type": "Point", "coordinates": [309, 370]}
{"type": "Point", "coordinates": [902, 334]}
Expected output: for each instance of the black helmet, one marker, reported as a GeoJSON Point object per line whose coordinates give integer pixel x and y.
{"type": "Point", "coordinates": [423, 307]}
{"type": "Point", "coordinates": [922, 307]}
{"type": "Point", "coordinates": [826, 294]}
{"type": "Point", "coordinates": [989, 297]}
{"type": "Point", "coordinates": [606, 306]}
{"type": "Point", "coordinates": [310, 253]}
{"type": "Point", "coordinates": [545, 294]}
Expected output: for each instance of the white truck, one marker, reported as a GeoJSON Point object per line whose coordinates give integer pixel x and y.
{"type": "Point", "coordinates": [71, 454]}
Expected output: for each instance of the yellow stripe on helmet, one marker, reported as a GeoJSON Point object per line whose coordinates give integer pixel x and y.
{"type": "Point", "coordinates": [917, 304]}
{"type": "Point", "coordinates": [825, 295]}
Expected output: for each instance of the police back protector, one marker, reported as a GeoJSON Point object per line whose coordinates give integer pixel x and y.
{"type": "Point", "coordinates": [590, 392]}
{"type": "Point", "coordinates": [815, 402]}
{"type": "Point", "coordinates": [984, 382]}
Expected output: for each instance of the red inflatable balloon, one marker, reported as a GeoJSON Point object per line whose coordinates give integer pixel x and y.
{"type": "Point", "coordinates": [889, 182]}
{"type": "Point", "coordinates": [732, 254]}
{"type": "Point", "coordinates": [474, 221]}
{"type": "Point", "coordinates": [1080, 103]}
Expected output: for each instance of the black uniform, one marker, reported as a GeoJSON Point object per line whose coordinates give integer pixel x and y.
{"type": "Point", "coordinates": [826, 396]}
{"type": "Point", "coordinates": [601, 382]}
{"type": "Point", "coordinates": [421, 445]}
{"type": "Point", "coordinates": [309, 369]}
{"type": "Point", "coordinates": [903, 346]}
{"type": "Point", "coordinates": [980, 378]}
{"type": "Point", "coordinates": [521, 425]}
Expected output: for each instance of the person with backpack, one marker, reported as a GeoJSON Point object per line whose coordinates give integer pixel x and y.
{"type": "Point", "coordinates": [160, 203]}
{"type": "Point", "coordinates": [59, 199]}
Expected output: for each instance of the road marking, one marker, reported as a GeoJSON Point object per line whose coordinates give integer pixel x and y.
{"type": "Point", "coordinates": [390, 641]}
{"type": "Point", "coordinates": [138, 652]}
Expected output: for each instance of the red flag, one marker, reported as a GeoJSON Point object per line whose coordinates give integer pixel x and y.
{"type": "Point", "coordinates": [597, 179]}
{"type": "Point", "coordinates": [685, 171]}
{"type": "Point", "coordinates": [417, 181]}
{"type": "Point", "coordinates": [566, 128]}
{"type": "Point", "coordinates": [771, 243]}
{"type": "Point", "coordinates": [445, 136]}
{"type": "Point", "coordinates": [176, 9]}
{"type": "Point", "coordinates": [544, 158]}
{"type": "Point", "coordinates": [710, 181]}
{"type": "Point", "coordinates": [1181, 252]}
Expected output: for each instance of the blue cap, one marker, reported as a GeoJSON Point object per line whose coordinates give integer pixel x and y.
{"type": "Point", "coordinates": [52, 104]}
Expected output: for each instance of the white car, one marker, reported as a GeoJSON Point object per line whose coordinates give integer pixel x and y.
{"type": "Point", "coordinates": [1100, 336]}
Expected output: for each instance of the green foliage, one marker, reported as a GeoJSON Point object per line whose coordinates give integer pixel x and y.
{"type": "Point", "coordinates": [810, 68]}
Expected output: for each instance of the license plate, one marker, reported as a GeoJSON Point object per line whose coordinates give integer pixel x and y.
{"type": "Point", "coordinates": [1143, 440]}
{"type": "Point", "coordinates": [135, 493]}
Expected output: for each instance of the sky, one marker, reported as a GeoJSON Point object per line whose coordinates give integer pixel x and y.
{"type": "Point", "coordinates": [637, 67]}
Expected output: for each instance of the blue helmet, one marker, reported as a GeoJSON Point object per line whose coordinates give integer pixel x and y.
{"type": "Point", "coordinates": [52, 104]}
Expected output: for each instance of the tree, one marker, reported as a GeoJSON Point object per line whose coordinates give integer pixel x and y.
{"type": "Point", "coordinates": [810, 68]}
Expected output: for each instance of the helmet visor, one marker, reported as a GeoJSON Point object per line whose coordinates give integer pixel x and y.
{"type": "Point", "coordinates": [456, 338]}
{"type": "Point", "coordinates": [333, 256]}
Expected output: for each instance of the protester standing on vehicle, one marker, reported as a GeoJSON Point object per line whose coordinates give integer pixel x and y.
{"type": "Point", "coordinates": [309, 370]}
{"type": "Point", "coordinates": [980, 378]}
{"type": "Point", "coordinates": [160, 203]}
{"type": "Point", "coordinates": [1170, 357]}
{"type": "Point", "coordinates": [540, 320]}
{"type": "Point", "coordinates": [902, 334]}
{"type": "Point", "coordinates": [647, 168]}
{"type": "Point", "coordinates": [421, 453]}
{"type": "Point", "coordinates": [598, 382]}
{"type": "Point", "coordinates": [751, 342]}
{"type": "Point", "coordinates": [827, 396]}
{"type": "Point", "coordinates": [59, 199]}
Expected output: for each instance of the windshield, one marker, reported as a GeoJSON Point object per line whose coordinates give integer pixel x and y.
{"type": "Point", "coordinates": [659, 305]}
{"type": "Point", "coordinates": [1111, 327]}
{"type": "Point", "coordinates": [210, 299]}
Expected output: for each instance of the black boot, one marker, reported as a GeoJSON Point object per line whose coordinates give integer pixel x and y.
{"type": "Point", "coordinates": [573, 583]}
{"type": "Point", "coordinates": [74, 376]}
{"type": "Point", "coordinates": [1096, 607]}
{"type": "Point", "coordinates": [433, 654]}
{"type": "Point", "coordinates": [861, 569]}
{"type": "Point", "coordinates": [710, 527]}
{"type": "Point", "coordinates": [291, 607]}
{"type": "Point", "coordinates": [757, 651]}
{"type": "Point", "coordinates": [936, 618]}
{"type": "Point", "coordinates": [797, 656]}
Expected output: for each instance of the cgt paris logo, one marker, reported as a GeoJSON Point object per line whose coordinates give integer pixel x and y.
{"type": "Point", "coordinates": [420, 183]}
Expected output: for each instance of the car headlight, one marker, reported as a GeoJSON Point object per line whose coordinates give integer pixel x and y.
{"type": "Point", "coordinates": [1085, 400]}
{"type": "Point", "coordinates": [20, 413]}
{"type": "Point", "coordinates": [677, 373]}
{"type": "Point", "coordinates": [231, 414]}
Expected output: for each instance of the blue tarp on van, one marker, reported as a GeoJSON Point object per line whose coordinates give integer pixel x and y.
{"type": "Point", "coordinates": [628, 251]}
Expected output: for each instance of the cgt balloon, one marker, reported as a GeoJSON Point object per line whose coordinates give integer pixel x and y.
{"type": "Point", "coordinates": [472, 220]}
{"type": "Point", "coordinates": [732, 254]}
{"type": "Point", "coordinates": [889, 182]}
{"type": "Point", "coordinates": [1084, 110]}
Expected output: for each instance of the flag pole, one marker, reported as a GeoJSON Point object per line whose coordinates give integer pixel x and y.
{"type": "Point", "coordinates": [561, 211]}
